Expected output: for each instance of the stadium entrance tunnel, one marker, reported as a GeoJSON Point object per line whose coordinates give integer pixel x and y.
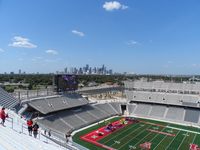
{"type": "Point", "coordinates": [123, 108]}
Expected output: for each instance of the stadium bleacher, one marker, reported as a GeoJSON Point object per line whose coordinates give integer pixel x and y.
{"type": "Point", "coordinates": [53, 104]}
{"type": "Point", "coordinates": [163, 98]}
{"type": "Point", "coordinates": [175, 113]}
{"type": "Point", "coordinates": [163, 86]}
{"type": "Point", "coordinates": [158, 111]}
{"type": "Point", "coordinates": [143, 109]}
{"type": "Point", "coordinates": [176, 102]}
{"type": "Point", "coordinates": [131, 108]}
{"type": "Point", "coordinates": [76, 118]}
{"type": "Point", "coordinates": [192, 115]}
{"type": "Point", "coordinates": [7, 100]}
{"type": "Point", "coordinates": [117, 107]}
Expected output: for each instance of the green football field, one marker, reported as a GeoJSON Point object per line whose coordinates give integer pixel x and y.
{"type": "Point", "coordinates": [131, 136]}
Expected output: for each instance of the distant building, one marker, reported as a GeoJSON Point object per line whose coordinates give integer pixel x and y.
{"type": "Point", "coordinates": [89, 70]}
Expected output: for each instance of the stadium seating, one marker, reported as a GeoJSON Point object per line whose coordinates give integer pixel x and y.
{"type": "Point", "coordinates": [86, 115]}
{"type": "Point", "coordinates": [117, 107]}
{"type": "Point", "coordinates": [158, 111]}
{"type": "Point", "coordinates": [7, 100]}
{"type": "Point", "coordinates": [131, 108]}
{"type": "Point", "coordinates": [107, 109]}
{"type": "Point", "coordinates": [163, 98]}
{"type": "Point", "coordinates": [170, 113]}
{"type": "Point", "coordinates": [69, 120]}
{"type": "Point", "coordinates": [55, 124]}
{"type": "Point", "coordinates": [143, 109]}
{"type": "Point", "coordinates": [53, 104]}
{"type": "Point", "coordinates": [175, 113]}
{"type": "Point", "coordinates": [163, 86]}
{"type": "Point", "coordinates": [192, 115]}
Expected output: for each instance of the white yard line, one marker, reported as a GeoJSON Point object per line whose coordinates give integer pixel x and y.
{"type": "Point", "coordinates": [129, 134]}
{"type": "Point", "coordinates": [172, 140]}
{"type": "Point", "coordinates": [157, 134]}
{"type": "Point", "coordinates": [182, 140]}
{"type": "Point", "coordinates": [160, 142]}
{"type": "Point", "coordinates": [120, 133]}
{"type": "Point", "coordinates": [142, 139]}
{"type": "Point", "coordinates": [194, 138]}
{"type": "Point", "coordinates": [133, 138]}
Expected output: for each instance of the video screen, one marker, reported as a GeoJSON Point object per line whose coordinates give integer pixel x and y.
{"type": "Point", "coordinates": [66, 83]}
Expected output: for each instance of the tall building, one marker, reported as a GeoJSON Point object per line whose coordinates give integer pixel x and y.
{"type": "Point", "coordinates": [87, 67]}
{"type": "Point", "coordinates": [65, 70]}
{"type": "Point", "coordinates": [89, 70]}
{"type": "Point", "coordinates": [20, 71]}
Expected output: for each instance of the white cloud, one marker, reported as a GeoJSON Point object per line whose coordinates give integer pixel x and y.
{"type": "Point", "coordinates": [1, 50]}
{"type": "Point", "coordinates": [133, 42]}
{"type": "Point", "coordinates": [79, 33]}
{"type": "Point", "coordinates": [51, 51]}
{"type": "Point", "coordinates": [114, 5]}
{"type": "Point", "coordinates": [22, 42]}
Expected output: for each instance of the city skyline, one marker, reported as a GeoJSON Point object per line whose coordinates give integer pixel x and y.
{"type": "Point", "coordinates": [84, 70]}
{"type": "Point", "coordinates": [87, 70]}
{"type": "Point", "coordinates": [142, 37]}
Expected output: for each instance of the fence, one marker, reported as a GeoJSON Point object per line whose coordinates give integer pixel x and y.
{"type": "Point", "coordinates": [26, 94]}
{"type": "Point", "coordinates": [16, 124]}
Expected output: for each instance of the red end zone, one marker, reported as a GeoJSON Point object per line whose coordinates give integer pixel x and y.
{"type": "Point", "coordinates": [104, 131]}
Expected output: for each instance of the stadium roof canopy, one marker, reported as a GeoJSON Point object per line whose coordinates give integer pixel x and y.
{"type": "Point", "coordinates": [52, 104]}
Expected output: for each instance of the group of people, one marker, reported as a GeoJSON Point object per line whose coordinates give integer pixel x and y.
{"type": "Point", "coordinates": [32, 128]}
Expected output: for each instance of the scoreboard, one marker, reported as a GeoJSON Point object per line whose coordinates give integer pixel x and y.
{"type": "Point", "coordinates": [66, 82]}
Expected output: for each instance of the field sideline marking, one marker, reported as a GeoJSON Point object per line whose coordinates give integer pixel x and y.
{"type": "Point", "coordinates": [172, 140]}
{"type": "Point", "coordinates": [131, 133]}
{"type": "Point", "coordinates": [134, 137]}
{"type": "Point", "coordinates": [183, 129]}
{"type": "Point", "coordinates": [119, 134]}
{"type": "Point", "coordinates": [183, 140]}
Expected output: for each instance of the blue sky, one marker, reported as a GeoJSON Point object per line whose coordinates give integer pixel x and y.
{"type": "Point", "coordinates": [140, 36]}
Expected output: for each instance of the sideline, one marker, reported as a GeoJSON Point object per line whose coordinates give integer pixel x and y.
{"type": "Point", "coordinates": [182, 129]}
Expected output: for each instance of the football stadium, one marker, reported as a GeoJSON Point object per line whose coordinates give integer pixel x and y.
{"type": "Point", "coordinates": [99, 75]}
{"type": "Point", "coordinates": [152, 115]}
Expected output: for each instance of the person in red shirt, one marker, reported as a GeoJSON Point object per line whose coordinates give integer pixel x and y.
{"type": "Point", "coordinates": [3, 116]}
{"type": "Point", "coordinates": [30, 126]}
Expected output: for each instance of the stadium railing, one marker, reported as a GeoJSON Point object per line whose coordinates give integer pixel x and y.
{"type": "Point", "coordinates": [56, 138]}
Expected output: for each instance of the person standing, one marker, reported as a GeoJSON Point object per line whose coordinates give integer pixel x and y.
{"type": "Point", "coordinates": [35, 130]}
{"type": "Point", "coordinates": [49, 133]}
{"type": "Point", "coordinates": [3, 116]}
{"type": "Point", "coordinates": [30, 126]}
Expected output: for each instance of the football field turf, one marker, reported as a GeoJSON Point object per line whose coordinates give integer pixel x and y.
{"type": "Point", "coordinates": [160, 135]}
